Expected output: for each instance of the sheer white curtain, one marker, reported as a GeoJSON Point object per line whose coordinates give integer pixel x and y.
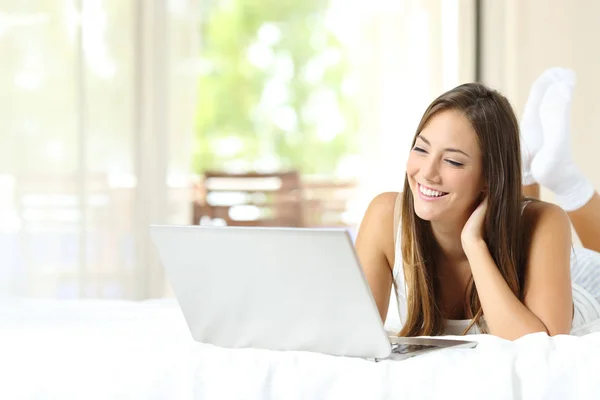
{"type": "Point", "coordinates": [96, 123]}
{"type": "Point", "coordinates": [406, 53]}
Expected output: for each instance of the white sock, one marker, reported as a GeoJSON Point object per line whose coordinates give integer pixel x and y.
{"type": "Point", "coordinates": [530, 127]}
{"type": "Point", "coordinates": [553, 166]}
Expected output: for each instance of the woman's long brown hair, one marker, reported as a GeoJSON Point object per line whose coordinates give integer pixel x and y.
{"type": "Point", "coordinates": [494, 121]}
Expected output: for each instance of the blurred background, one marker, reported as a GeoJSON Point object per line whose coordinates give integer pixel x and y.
{"type": "Point", "coordinates": [117, 114]}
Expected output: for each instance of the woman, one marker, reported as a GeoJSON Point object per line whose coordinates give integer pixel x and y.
{"type": "Point", "coordinates": [464, 249]}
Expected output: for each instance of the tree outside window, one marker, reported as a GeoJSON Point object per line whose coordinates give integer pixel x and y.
{"type": "Point", "coordinates": [275, 91]}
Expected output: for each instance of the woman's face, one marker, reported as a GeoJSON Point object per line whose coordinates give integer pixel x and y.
{"type": "Point", "coordinates": [444, 168]}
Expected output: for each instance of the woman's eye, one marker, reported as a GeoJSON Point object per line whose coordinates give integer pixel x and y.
{"type": "Point", "coordinates": [420, 150]}
{"type": "Point", "coordinates": [454, 163]}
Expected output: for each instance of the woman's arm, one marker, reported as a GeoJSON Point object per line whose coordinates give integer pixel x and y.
{"type": "Point", "coordinates": [548, 286]}
{"type": "Point", "coordinates": [548, 303]}
{"type": "Point", "coordinates": [375, 248]}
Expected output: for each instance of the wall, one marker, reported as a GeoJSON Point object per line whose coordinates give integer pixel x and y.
{"type": "Point", "coordinates": [523, 38]}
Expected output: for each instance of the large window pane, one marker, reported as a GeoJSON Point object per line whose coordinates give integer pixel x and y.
{"type": "Point", "coordinates": [38, 145]}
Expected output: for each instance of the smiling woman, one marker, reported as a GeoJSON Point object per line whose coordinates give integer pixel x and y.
{"type": "Point", "coordinates": [440, 170]}
{"type": "Point", "coordinates": [457, 161]}
{"type": "Point", "coordinates": [469, 255]}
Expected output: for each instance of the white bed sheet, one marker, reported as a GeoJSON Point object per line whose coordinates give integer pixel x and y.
{"type": "Point", "coordinates": [130, 350]}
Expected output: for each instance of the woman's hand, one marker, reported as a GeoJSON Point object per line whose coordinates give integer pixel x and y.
{"type": "Point", "coordinates": [472, 232]}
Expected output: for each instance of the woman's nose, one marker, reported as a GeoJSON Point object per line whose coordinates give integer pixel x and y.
{"type": "Point", "coordinates": [430, 170]}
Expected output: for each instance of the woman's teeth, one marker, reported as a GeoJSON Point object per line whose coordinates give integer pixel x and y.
{"type": "Point", "coordinates": [430, 192]}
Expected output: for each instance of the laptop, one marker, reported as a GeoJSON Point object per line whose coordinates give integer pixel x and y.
{"type": "Point", "coordinates": [297, 289]}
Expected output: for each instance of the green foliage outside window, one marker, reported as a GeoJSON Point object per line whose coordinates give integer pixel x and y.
{"type": "Point", "coordinates": [273, 89]}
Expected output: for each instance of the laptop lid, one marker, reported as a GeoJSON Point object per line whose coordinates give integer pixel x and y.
{"type": "Point", "coordinates": [272, 288]}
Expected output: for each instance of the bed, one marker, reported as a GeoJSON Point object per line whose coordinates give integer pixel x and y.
{"type": "Point", "coordinates": [86, 349]}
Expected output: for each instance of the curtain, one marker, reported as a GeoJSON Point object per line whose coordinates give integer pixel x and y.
{"type": "Point", "coordinates": [96, 124]}
{"type": "Point", "coordinates": [97, 117]}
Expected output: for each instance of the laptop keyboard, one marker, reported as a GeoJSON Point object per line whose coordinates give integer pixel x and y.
{"type": "Point", "coordinates": [409, 348]}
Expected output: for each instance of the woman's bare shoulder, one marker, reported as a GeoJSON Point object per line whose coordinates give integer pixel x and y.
{"type": "Point", "coordinates": [543, 219]}
{"type": "Point", "coordinates": [378, 222]}
{"type": "Point", "coordinates": [537, 210]}
{"type": "Point", "coordinates": [382, 205]}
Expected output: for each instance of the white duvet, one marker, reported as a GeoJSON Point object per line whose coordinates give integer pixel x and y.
{"type": "Point", "coordinates": [127, 350]}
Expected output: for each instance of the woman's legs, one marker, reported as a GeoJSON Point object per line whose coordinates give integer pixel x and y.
{"type": "Point", "coordinates": [532, 191]}
{"type": "Point", "coordinates": [550, 164]}
{"type": "Point", "coordinates": [586, 221]}
{"type": "Point", "coordinates": [532, 134]}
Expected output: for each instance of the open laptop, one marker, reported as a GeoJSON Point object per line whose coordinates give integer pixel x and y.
{"type": "Point", "coordinates": [278, 288]}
